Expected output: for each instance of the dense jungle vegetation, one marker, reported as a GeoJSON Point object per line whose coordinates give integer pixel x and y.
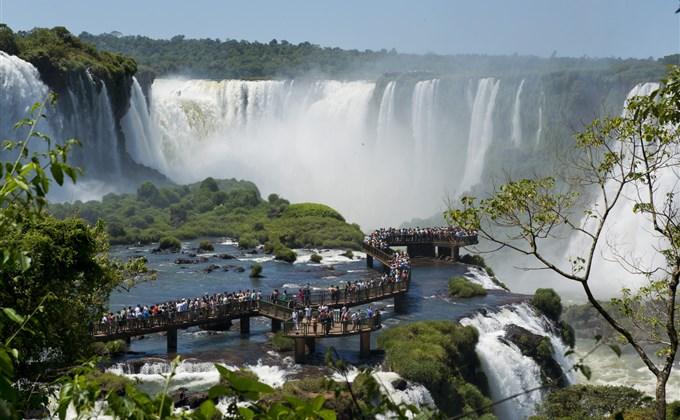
{"type": "Point", "coordinates": [212, 207]}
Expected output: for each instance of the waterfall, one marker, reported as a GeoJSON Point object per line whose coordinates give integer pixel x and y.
{"type": "Point", "coordinates": [516, 119]}
{"type": "Point", "coordinates": [144, 144]}
{"type": "Point", "coordinates": [423, 105]}
{"type": "Point", "coordinates": [20, 88]}
{"type": "Point", "coordinates": [385, 114]}
{"type": "Point", "coordinates": [481, 131]}
{"type": "Point", "coordinates": [508, 371]}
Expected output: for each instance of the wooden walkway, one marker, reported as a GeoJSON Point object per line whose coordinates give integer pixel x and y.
{"type": "Point", "coordinates": [280, 311]}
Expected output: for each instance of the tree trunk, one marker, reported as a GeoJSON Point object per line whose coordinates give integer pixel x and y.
{"type": "Point", "coordinates": [661, 380]}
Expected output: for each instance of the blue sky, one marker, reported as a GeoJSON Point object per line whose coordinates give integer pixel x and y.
{"type": "Point", "coordinates": [596, 28]}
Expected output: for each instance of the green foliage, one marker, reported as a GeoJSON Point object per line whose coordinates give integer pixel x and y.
{"type": "Point", "coordinates": [591, 401]}
{"type": "Point", "coordinates": [311, 210]}
{"type": "Point", "coordinates": [109, 348]}
{"type": "Point", "coordinates": [567, 333]}
{"type": "Point", "coordinates": [206, 246]}
{"type": "Point", "coordinates": [284, 253]}
{"type": "Point", "coordinates": [170, 243]}
{"type": "Point", "coordinates": [462, 287]}
{"type": "Point", "coordinates": [315, 258]}
{"type": "Point", "coordinates": [548, 302]}
{"type": "Point", "coordinates": [348, 254]}
{"type": "Point", "coordinates": [256, 270]}
{"type": "Point", "coordinates": [282, 343]}
{"type": "Point", "coordinates": [441, 356]}
{"type": "Point", "coordinates": [471, 259]}
{"type": "Point", "coordinates": [214, 208]}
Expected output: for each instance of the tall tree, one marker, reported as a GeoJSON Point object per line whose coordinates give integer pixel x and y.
{"type": "Point", "coordinates": [630, 161]}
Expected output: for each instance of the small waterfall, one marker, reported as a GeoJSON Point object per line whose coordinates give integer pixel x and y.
{"type": "Point", "coordinates": [516, 119]}
{"type": "Point", "coordinates": [509, 372]}
{"type": "Point", "coordinates": [481, 131]}
{"type": "Point", "coordinates": [423, 105]}
{"type": "Point", "coordinates": [385, 114]}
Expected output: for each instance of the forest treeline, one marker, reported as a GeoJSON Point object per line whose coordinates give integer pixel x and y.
{"type": "Point", "coordinates": [227, 59]}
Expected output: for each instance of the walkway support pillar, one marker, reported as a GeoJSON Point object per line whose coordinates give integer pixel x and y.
{"type": "Point", "coordinates": [444, 251]}
{"type": "Point", "coordinates": [172, 340]}
{"type": "Point", "coordinates": [245, 325]}
{"type": "Point", "coordinates": [128, 341]}
{"type": "Point", "coordinates": [456, 253]}
{"type": "Point", "coordinates": [369, 261]}
{"type": "Point", "coordinates": [400, 303]}
{"type": "Point", "coordinates": [276, 325]}
{"type": "Point", "coordinates": [311, 344]}
{"type": "Point", "coordinates": [299, 349]}
{"type": "Point", "coordinates": [365, 344]}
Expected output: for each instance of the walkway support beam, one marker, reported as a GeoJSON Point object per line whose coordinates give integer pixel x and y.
{"type": "Point", "coordinates": [172, 340]}
{"type": "Point", "coordinates": [369, 261]}
{"type": "Point", "coordinates": [245, 325]}
{"type": "Point", "coordinates": [300, 350]}
{"type": "Point", "coordinates": [276, 325]}
{"type": "Point", "coordinates": [400, 303]}
{"type": "Point", "coordinates": [365, 344]}
{"type": "Point", "coordinates": [311, 344]}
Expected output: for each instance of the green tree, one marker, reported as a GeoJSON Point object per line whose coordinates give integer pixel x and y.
{"type": "Point", "coordinates": [622, 161]}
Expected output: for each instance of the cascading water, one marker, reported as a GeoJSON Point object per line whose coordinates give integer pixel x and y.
{"type": "Point", "coordinates": [20, 88]}
{"type": "Point", "coordinates": [423, 106]}
{"type": "Point", "coordinates": [385, 115]}
{"type": "Point", "coordinates": [145, 146]}
{"type": "Point", "coordinates": [481, 131]}
{"type": "Point", "coordinates": [509, 372]}
{"type": "Point", "coordinates": [516, 118]}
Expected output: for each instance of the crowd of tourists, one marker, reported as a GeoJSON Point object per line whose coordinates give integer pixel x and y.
{"type": "Point", "coordinates": [321, 321]}
{"type": "Point", "coordinates": [381, 238]}
{"type": "Point", "coordinates": [242, 299]}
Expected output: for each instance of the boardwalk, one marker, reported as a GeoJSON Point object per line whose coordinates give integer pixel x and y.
{"type": "Point", "coordinates": [280, 311]}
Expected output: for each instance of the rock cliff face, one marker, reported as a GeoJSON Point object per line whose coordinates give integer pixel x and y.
{"type": "Point", "coordinates": [540, 350]}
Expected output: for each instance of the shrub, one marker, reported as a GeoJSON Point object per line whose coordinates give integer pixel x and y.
{"type": "Point", "coordinates": [283, 253]}
{"type": "Point", "coordinates": [592, 401]}
{"type": "Point", "coordinates": [247, 242]}
{"type": "Point", "coordinates": [256, 270]}
{"type": "Point", "coordinates": [206, 246]}
{"type": "Point", "coordinates": [315, 258]}
{"type": "Point", "coordinates": [282, 343]}
{"type": "Point", "coordinates": [548, 302]}
{"type": "Point", "coordinates": [170, 243]}
{"type": "Point", "coordinates": [477, 260]}
{"type": "Point", "coordinates": [567, 333]}
{"type": "Point", "coordinates": [349, 254]}
{"type": "Point", "coordinates": [461, 287]}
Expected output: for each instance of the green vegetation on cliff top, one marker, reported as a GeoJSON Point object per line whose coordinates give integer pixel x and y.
{"type": "Point", "coordinates": [57, 54]}
{"type": "Point", "coordinates": [212, 207]}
